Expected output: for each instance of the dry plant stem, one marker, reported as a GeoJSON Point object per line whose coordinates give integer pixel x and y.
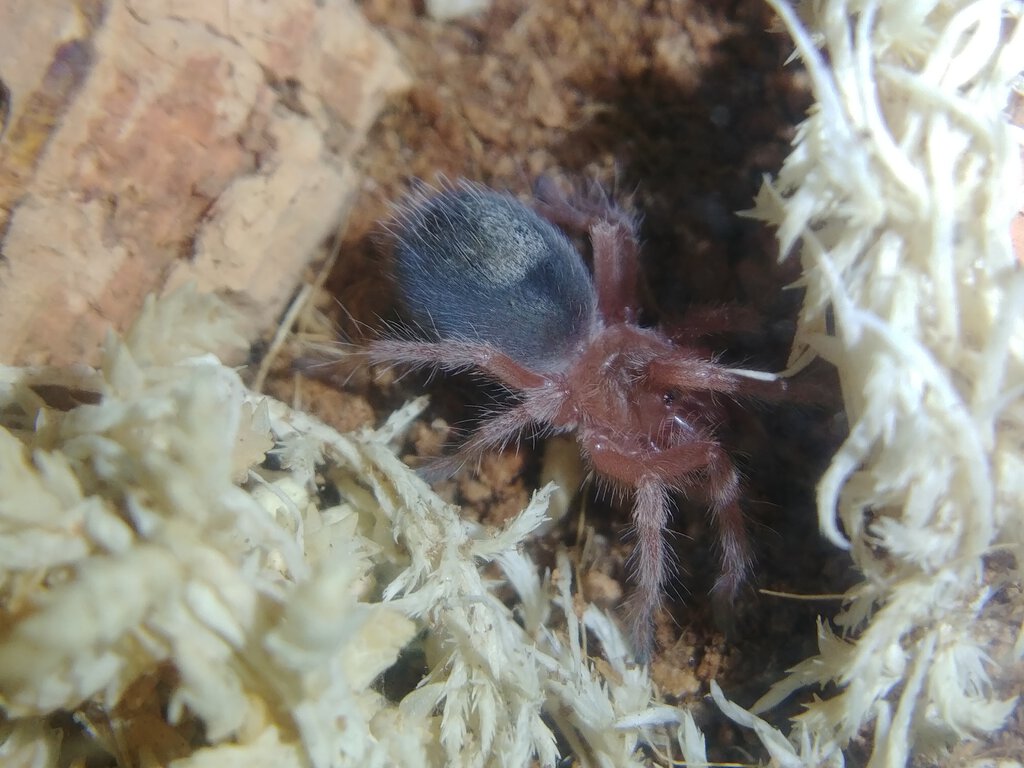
{"type": "Point", "coordinates": [284, 329]}
{"type": "Point", "coordinates": [299, 306]}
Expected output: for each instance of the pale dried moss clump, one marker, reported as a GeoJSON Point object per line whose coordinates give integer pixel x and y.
{"type": "Point", "coordinates": [146, 545]}
{"type": "Point", "coordinates": [897, 199]}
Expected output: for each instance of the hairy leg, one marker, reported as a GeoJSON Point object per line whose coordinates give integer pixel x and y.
{"type": "Point", "coordinates": [615, 271]}
{"type": "Point", "coordinates": [580, 212]}
{"type": "Point", "coordinates": [723, 483]}
{"type": "Point", "coordinates": [455, 356]}
{"type": "Point", "coordinates": [612, 235]}
{"type": "Point", "coordinates": [651, 561]}
{"type": "Point", "coordinates": [704, 464]}
{"type": "Point", "coordinates": [690, 371]}
{"type": "Point", "coordinates": [684, 465]}
{"type": "Point", "coordinates": [543, 397]}
{"type": "Point", "coordinates": [495, 432]}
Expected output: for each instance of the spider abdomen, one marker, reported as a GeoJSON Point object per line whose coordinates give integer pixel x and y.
{"type": "Point", "coordinates": [477, 265]}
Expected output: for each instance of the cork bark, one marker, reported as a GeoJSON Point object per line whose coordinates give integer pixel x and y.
{"type": "Point", "coordinates": [148, 143]}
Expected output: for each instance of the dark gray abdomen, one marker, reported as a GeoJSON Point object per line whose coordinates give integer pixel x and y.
{"type": "Point", "coordinates": [475, 264]}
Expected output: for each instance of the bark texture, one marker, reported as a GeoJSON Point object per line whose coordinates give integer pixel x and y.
{"type": "Point", "coordinates": [147, 143]}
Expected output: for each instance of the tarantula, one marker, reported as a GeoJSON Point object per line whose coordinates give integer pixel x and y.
{"type": "Point", "coordinates": [494, 286]}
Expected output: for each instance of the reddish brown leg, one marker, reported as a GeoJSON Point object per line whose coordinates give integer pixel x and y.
{"type": "Point", "coordinates": [616, 251]}
{"type": "Point", "coordinates": [724, 483]}
{"type": "Point", "coordinates": [684, 372]}
{"type": "Point", "coordinates": [581, 212]}
{"type": "Point", "coordinates": [615, 271]}
{"type": "Point", "coordinates": [675, 467]}
{"type": "Point", "coordinates": [688, 371]}
{"type": "Point", "coordinates": [456, 356]}
{"type": "Point", "coordinates": [543, 397]}
{"type": "Point", "coordinates": [651, 476]}
{"type": "Point", "coordinates": [495, 433]}
{"type": "Point", "coordinates": [651, 562]}
{"type": "Point", "coordinates": [554, 206]}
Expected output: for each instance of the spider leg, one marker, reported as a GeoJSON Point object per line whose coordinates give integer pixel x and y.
{"type": "Point", "coordinates": [616, 277]}
{"type": "Point", "coordinates": [613, 238]}
{"type": "Point", "coordinates": [734, 543]}
{"type": "Point", "coordinates": [581, 212]}
{"type": "Point", "coordinates": [677, 467]}
{"type": "Point", "coordinates": [685, 370]}
{"type": "Point", "coordinates": [494, 433]}
{"type": "Point", "coordinates": [543, 396]}
{"type": "Point", "coordinates": [455, 356]}
{"type": "Point", "coordinates": [653, 475]}
{"type": "Point", "coordinates": [688, 370]}
{"type": "Point", "coordinates": [650, 515]}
